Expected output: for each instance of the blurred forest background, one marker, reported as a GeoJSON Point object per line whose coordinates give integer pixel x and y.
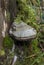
{"type": "Point", "coordinates": [32, 13]}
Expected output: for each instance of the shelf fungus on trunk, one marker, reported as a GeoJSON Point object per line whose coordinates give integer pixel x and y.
{"type": "Point", "coordinates": [22, 31]}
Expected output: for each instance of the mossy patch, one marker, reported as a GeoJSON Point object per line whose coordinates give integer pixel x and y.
{"type": "Point", "coordinates": [8, 42]}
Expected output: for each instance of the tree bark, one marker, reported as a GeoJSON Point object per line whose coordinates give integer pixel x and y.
{"type": "Point", "coordinates": [1, 26]}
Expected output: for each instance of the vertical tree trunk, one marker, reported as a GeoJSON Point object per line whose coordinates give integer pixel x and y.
{"type": "Point", "coordinates": [3, 8]}
{"type": "Point", "coordinates": [2, 22]}
{"type": "Point", "coordinates": [1, 26]}
{"type": "Point", "coordinates": [12, 9]}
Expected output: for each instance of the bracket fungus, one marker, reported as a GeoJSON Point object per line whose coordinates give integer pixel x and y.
{"type": "Point", "coordinates": [22, 31]}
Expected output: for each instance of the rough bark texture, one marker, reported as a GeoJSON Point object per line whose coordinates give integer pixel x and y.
{"type": "Point", "coordinates": [1, 26]}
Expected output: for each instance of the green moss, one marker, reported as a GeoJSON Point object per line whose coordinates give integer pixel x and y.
{"type": "Point", "coordinates": [35, 48]}
{"type": "Point", "coordinates": [25, 12]}
{"type": "Point", "coordinates": [8, 42]}
{"type": "Point", "coordinates": [2, 52]}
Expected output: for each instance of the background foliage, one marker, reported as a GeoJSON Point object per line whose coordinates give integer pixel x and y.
{"type": "Point", "coordinates": [33, 53]}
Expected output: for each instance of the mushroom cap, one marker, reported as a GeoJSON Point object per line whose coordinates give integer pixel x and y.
{"type": "Point", "coordinates": [22, 31]}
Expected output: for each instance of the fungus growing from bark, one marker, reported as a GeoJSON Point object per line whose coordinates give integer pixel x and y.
{"type": "Point", "coordinates": [22, 31]}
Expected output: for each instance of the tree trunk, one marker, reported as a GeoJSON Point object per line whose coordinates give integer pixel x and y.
{"type": "Point", "coordinates": [1, 26]}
